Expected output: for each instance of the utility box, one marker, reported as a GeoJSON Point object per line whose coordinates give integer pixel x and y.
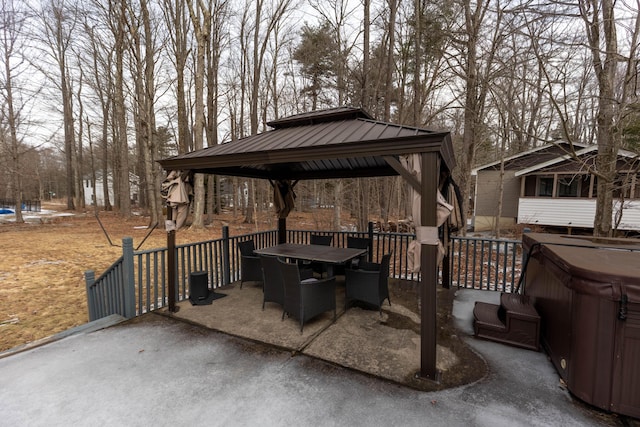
{"type": "Point", "coordinates": [587, 292]}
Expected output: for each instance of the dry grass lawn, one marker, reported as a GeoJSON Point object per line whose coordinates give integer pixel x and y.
{"type": "Point", "coordinates": [42, 287]}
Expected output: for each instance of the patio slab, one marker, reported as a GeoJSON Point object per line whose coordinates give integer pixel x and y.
{"type": "Point", "coordinates": [240, 313]}
{"type": "Point", "coordinates": [360, 339]}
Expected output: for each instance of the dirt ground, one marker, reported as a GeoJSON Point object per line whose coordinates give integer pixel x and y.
{"type": "Point", "coordinates": [42, 287]}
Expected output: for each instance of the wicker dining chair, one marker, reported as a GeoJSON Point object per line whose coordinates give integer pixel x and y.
{"type": "Point", "coordinates": [273, 286]}
{"type": "Point", "coordinates": [324, 240]}
{"type": "Point", "coordinates": [250, 267]}
{"type": "Point", "coordinates": [369, 283]}
{"type": "Point", "coordinates": [306, 299]}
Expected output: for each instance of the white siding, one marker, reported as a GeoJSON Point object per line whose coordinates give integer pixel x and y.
{"type": "Point", "coordinates": [568, 212]}
{"type": "Point", "coordinates": [630, 215]}
{"type": "Point", "coordinates": [88, 192]}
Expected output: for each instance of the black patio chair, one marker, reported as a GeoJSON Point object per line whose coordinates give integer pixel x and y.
{"type": "Point", "coordinates": [273, 286]}
{"type": "Point", "coordinates": [359, 243]}
{"type": "Point", "coordinates": [368, 284]}
{"type": "Point", "coordinates": [304, 300]}
{"type": "Point", "coordinates": [250, 267]}
{"type": "Point", "coordinates": [318, 239]}
{"type": "Point", "coordinates": [354, 243]}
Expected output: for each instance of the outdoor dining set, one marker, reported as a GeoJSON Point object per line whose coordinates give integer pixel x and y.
{"type": "Point", "coordinates": [302, 277]}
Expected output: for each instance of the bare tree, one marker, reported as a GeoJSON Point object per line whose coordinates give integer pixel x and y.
{"type": "Point", "coordinates": [176, 18]}
{"type": "Point", "coordinates": [117, 24]}
{"type": "Point", "coordinates": [265, 20]}
{"type": "Point", "coordinates": [601, 28]}
{"type": "Point", "coordinates": [59, 19]}
{"type": "Point", "coordinates": [201, 21]}
{"type": "Point", "coordinates": [12, 22]}
{"type": "Point", "coordinates": [101, 82]}
{"type": "Point", "coordinates": [615, 75]}
{"type": "Point", "coordinates": [476, 73]}
{"type": "Point", "coordinates": [366, 41]}
{"type": "Point", "coordinates": [143, 70]}
{"type": "Point", "coordinates": [219, 23]}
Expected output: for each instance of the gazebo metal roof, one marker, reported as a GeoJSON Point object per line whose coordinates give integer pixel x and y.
{"type": "Point", "coordinates": [337, 143]}
{"type": "Point", "coordinates": [342, 142]}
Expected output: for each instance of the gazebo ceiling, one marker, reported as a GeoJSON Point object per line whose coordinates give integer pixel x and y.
{"type": "Point", "coordinates": [336, 143]}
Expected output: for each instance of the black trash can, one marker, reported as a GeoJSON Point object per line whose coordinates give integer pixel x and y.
{"type": "Point", "coordinates": [199, 292]}
{"type": "Point", "coordinates": [587, 293]}
{"type": "Point", "coordinates": [198, 286]}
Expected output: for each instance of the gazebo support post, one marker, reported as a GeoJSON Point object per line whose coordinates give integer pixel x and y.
{"type": "Point", "coordinates": [282, 230]}
{"type": "Point", "coordinates": [171, 262]}
{"type": "Point", "coordinates": [428, 269]}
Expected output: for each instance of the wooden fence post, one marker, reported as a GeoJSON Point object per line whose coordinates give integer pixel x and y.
{"type": "Point", "coordinates": [90, 280]}
{"type": "Point", "coordinates": [226, 264]}
{"type": "Point", "coordinates": [370, 237]}
{"type": "Point", "coordinates": [128, 276]}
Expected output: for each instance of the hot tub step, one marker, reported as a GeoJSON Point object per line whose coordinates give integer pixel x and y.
{"type": "Point", "coordinates": [514, 322]}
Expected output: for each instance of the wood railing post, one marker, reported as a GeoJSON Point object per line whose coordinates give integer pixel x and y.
{"type": "Point", "coordinates": [446, 261]}
{"type": "Point", "coordinates": [129, 285]}
{"type": "Point", "coordinates": [90, 280]}
{"type": "Point", "coordinates": [226, 259]}
{"type": "Point", "coordinates": [370, 237]}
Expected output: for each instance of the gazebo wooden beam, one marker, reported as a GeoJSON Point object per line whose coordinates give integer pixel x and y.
{"type": "Point", "coordinates": [428, 269]}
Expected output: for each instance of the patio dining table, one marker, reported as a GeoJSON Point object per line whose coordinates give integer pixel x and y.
{"type": "Point", "coordinates": [329, 255]}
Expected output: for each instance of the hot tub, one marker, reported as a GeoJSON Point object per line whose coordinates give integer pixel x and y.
{"type": "Point", "coordinates": [587, 293]}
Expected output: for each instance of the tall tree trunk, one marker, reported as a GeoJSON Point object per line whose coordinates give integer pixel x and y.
{"type": "Point", "coordinates": [152, 172]}
{"type": "Point", "coordinates": [213, 64]}
{"type": "Point", "coordinates": [475, 95]}
{"type": "Point", "coordinates": [417, 87]}
{"type": "Point", "coordinates": [67, 109]}
{"type": "Point", "coordinates": [177, 19]}
{"type": "Point", "coordinates": [202, 30]}
{"type": "Point", "coordinates": [364, 101]}
{"type": "Point", "coordinates": [78, 149]}
{"type": "Point", "coordinates": [124, 186]}
{"type": "Point", "coordinates": [389, 91]}
{"type": "Point", "coordinates": [602, 24]}
{"type": "Point", "coordinates": [8, 40]}
{"type": "Point", "coordinates": [103, 85]}
{"type": "Point", "coordinates": [363, 218]}
{"type": "Point", "coordinates": [105, 157]}
{"type": "Point", "coordinates": [337, 205]}
{"type": "Point", "coordinates": [92, 162]}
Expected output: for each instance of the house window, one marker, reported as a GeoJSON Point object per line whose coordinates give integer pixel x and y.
{"type": "Point", "coordinates": [585, 185]}
{"type": "Point", "coordinates": [567, 186]}
{"type": "Point", "coordinates": [545, 186]}
{"type": "Point", "coordinates": [624, 185]}
{"type": "Point", "coordinates": [530, 186]}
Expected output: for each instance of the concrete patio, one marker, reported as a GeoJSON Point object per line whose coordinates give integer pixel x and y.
{"type": "Point", "coordinates": [181, 370]}
{"type": "Point", "coordinates": [360, 339]}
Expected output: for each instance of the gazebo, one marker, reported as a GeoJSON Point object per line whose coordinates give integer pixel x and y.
{"type": "Point", "coordinates": [343, 142]}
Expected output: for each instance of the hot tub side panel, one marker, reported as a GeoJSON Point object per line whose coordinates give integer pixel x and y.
{"type": "Point", "coordinates": [552, 300]}
{"type": "Point", "coordinates": [592, 344]}
{"type": "Point", "coordinates": [626, 388]}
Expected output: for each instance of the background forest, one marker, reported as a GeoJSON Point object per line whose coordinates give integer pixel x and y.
{"type": "Point", "coordinates": [95, 91]}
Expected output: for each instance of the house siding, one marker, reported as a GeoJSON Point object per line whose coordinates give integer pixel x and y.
{"type": "Point", "coordinates": [487, 194]}
{"type": "Point", "coordinates": [568, 212]}
{"type": "Point", "coordinates": [486, 200]}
